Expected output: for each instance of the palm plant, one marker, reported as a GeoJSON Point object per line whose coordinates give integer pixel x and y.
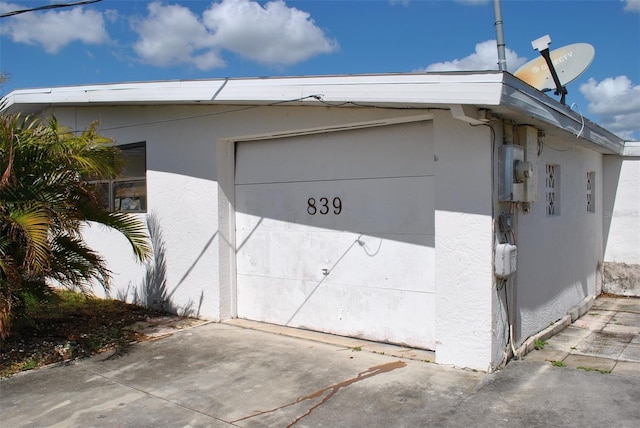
{"type": "Point", "coordinates": [45, 199]}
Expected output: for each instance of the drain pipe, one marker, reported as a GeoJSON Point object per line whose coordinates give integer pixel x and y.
{"type": "Point", "coordinates": [502, 57]}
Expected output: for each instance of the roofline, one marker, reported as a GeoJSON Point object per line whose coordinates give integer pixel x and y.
{"type": "Point", "coordinates": [521, 97]}
{"type": "Point", "coordinates": [484, 89]}
{"type": "Point", "coordinates": [632, 149]}
{"type": "Point", "coordinates": [368, 87]}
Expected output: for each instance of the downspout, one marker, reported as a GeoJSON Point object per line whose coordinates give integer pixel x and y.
{"type": "Point", "coordinates": [502, 57]}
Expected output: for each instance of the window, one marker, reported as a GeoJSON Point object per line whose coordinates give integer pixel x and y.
{"type": "Point", "coordinates": [591, 192]}
{"type": "Point", "coordinates": [553, 190]}
{"type": "Point", "coordinates": [128, 193]}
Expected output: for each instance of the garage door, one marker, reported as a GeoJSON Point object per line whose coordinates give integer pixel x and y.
{"type": "Point", "coordinates": [335, 232]}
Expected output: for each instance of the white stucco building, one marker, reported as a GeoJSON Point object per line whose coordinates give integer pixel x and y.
{"type": "Point", "coordinates": [372, 206]}
{"type": "Point", "coordinates": [621, 198]}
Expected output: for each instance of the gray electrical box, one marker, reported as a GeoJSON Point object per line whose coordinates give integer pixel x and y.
{"type": "Point", "coordinates": [510, 173]}
{"type": "Point", "coordinates": [506, 260]}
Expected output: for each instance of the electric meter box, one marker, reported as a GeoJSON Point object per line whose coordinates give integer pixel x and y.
{"type": "Point", "coordinates": [506, 257]}
{"type": "Point", "coordinates": [510, 188]}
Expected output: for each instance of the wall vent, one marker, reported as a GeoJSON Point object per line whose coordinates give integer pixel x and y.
{"type": "Point", "coordinates": [591, 192]}
{"type": "Point", "coordinates": [553, 190]}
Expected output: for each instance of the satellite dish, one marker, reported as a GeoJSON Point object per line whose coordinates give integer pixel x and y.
{"type": "Point", "coordinates": [569, 61]}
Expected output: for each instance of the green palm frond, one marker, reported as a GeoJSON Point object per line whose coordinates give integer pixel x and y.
{"type": "Point", "coordinates": [29, 227]}
{"type": "Point", "coordinates": [9, 271]}
{"type": "Point", "coordinates": [131, 227]}
{"type": "Point", "coordinates": [44, 201]}
{"type": "Point", "coordinates": [74, 264]}
{"type": "Point", "coordinates": [88, 153]}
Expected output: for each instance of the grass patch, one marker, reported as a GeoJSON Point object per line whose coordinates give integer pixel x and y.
{"type": "Point", "coordinates": [592, 369]}
{"type": "Point", "coordinates": [356, 349]}
{"type": "Point", "coordinates": [67, 326]}
{"type": "Point", "coordinates": [558, 364]}
{"type": "Point", "coordinates": [539, 344]}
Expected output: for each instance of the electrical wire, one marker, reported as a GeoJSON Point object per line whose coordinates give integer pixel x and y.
{"type": "Point", "coordinates": [216, 113]}
{"type": "Point", "coordinates": [514, 132]}
{"type": "Point", "coordinates": [505, 325]}
{"type": "Point", "coordinates": [558, 150]}
{"type": "Point", "coordinates": [500, 282]}
{"type": "Point", "coordinates": [317, 97]}
{"type": "Point", "coordinates": [581, 119]}
{"type": "Point", "coordinates": [49, 6]}
{"type": "Point", "coordinates": [540, 142]}
{"type": "Point", "coordinates": [354, 104]}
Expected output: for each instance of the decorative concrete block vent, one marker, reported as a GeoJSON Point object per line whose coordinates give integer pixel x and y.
{"type": "Point", "coordinates": [622, 279]}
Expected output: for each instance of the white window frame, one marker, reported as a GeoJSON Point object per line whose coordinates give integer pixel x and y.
{"type": "Point", "coordinates": [136, 199]}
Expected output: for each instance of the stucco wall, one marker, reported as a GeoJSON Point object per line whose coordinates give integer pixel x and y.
{"type": "Point", "coordinates": [463, 238]}
{"type": "Point", "coordinates": [182, 187]}
{"type": "Point", "coordinates": [622, 224]}
{"type": "Point", "coordinates": [183, 195]}
{"type": "Point", "coordinates": [558, 256]}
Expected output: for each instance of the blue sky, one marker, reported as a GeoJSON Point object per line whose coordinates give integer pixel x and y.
{"type": "Point", "coordinates": [139, 40]}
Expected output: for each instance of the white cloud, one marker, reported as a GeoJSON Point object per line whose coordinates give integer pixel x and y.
{"type": "Point", "coordinates": [616, 101]}
{"type": "Point", "coordinates": [53, 30]}
{"type": "Point", "coordinates": [485, 57]}
{"type": "Point", "coordinates": [172, 35]}
{"type": "Point", "coordinates": [112, 15]}
{"type": "Point", "coordinates": [273, 34]}
{"type": "Point", "coordinates": [631, 5]}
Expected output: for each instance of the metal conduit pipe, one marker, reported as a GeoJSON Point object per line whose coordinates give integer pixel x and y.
{"type": "Point", "coordinates": [502, 57]}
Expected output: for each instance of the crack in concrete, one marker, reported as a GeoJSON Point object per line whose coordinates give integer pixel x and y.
{"type": "Point", "coordinates": [150, 394]}
{"type": "Point", "coordinates": [330, 391]}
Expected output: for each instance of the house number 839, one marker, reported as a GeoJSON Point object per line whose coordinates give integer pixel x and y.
{"type": "Point", "coordinates": [324, 206]}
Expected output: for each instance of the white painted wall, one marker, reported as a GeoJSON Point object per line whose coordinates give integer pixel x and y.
{"type": "Point", "coordinates": [622, 222]}
{"type": "Point", "coordinates": [463, 225]}
{"type": "Point", "coordinates": [558, 257]}
{"type": "Point", "coordinates": [190, 181]}
{"type": "Point", "coordinates": [622, 209]}
{"type": "Point", "coordinates": [182, 144]}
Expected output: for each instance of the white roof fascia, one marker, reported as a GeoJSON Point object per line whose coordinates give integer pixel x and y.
{"type": "Point", "coordinates": [160, 92]}
{"type": "Point", "coordinates": [403, 89]}
{"type": "Point", "coordinates": [520, 97]}
{"type": "Point", "coordinates": [488, 89]}
{"type": "Point", "coordinates": [632, 149]}
{"type": "Point", "coordinates": [419, 90]}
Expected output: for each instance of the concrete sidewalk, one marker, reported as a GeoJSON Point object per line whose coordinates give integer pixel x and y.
{"type": "Point", "coordinates": [222, 375]}
{"type": "Point", "coordinates": [605, 339]}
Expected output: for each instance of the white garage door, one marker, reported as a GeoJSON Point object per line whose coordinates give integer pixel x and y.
{"type": "Point", "coordinates": [335, 232]}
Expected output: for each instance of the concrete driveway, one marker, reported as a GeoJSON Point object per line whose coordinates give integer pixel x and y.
{"type": "Point", "coordinates": [223, 375]}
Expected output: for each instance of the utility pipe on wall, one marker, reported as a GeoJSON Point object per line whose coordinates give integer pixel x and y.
{"type": "Point", "coordinates": [502, 57]}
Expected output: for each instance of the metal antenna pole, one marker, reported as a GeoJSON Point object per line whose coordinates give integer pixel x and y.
{"type": "Point", "coordinates": [502, 57]}
{"type": "Point", "coordinates": [560, 90]}
{"type": "Point", "coordinates": [542, 46]}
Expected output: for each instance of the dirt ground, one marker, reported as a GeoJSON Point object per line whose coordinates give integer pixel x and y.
{"type": "Point", "coordinates": [82, 329]}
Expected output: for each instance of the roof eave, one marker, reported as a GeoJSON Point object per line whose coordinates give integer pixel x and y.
{"type": "Point", "coordinates": [555, 117]}
{"type": "Point", "coordinates": [409, 89]}
{"type": "Point", "coordinates": [500, 91]}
